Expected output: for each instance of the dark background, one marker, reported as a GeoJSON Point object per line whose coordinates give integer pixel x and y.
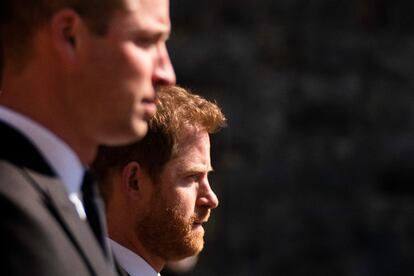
{"type": "Point", "coordinates": [315, 171]}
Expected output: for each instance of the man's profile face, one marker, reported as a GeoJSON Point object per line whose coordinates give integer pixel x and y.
{"type": "Point", "coordinates": [181, 202]}
{"type": "Point", "coordinates": [117, 74]}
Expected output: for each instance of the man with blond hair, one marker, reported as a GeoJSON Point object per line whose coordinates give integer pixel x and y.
{"type": "Point", "coordinates": [157, 190]}
{"type": "Point", "coordinates": [76, 74]}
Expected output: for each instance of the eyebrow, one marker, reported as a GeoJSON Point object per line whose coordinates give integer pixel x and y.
{"type": "Point", "coordinates": [200, 169]}
{"type": "Point", "coordinates": [158, 34]}
{"type": "Point", "coordinates": [194, 169]}
{"type": "Point", "coordinates": [155, 33]}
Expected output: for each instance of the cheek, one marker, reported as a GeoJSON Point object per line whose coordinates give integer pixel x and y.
{"type": "Point", "coordinates": [185, 202]}
{"type": "Point", "coordinates": [138, 59]}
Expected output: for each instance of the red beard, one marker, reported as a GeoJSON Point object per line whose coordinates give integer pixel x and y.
{"type": "Point", "coordinates": [166, 233]}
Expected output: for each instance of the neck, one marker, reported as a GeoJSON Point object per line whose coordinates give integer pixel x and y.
{"type": "Point", "coordinates": [36, 96]}
{"type": "Point", "coordinates": [120, 230]}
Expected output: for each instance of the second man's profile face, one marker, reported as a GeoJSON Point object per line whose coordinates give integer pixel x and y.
{"type": "Point", "coordinates": [181, 201]}
{"type": "Point", "coordinates": [120, 71]}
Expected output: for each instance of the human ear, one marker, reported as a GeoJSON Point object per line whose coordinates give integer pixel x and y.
{"type": "Point", "coordinates": [64, 26]}
{"type": "Point", "coordinates": [130, 178]}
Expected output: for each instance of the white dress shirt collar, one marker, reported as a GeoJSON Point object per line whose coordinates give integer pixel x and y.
{"type": "Point", "coordinates": [131, 262]}
{"type": "Point", "coordinates": [58, 154]}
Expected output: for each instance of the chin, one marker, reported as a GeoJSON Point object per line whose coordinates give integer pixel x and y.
{"type": "Point", "coordinates": [131, 136]}
{"type": "Point", "coordinates": [194, 245]}
{"type": "Point", "coordinates": [140, 128]}
{"type": "Point", "coordinates": [190, 251]}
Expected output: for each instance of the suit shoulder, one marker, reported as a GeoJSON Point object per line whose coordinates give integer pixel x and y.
{"type": "Point", "coordinates": [14, 183]}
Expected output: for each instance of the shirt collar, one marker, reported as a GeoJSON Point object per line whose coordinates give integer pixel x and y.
{"type": "Point", "coordinates": [131, 262]}
{"type": "Point", "coordinates": [58, 154]}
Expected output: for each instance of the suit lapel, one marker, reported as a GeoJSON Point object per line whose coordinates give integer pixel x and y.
{"type": "Point", "coordinates": [65, 213]}
{"type": "Point", "coordinates": [17, 149]}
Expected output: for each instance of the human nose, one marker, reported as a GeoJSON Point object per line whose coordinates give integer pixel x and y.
{"type": "Point", "coordinates": [207, 197]}
{"type": "Point", "coordinates": [163, 72]}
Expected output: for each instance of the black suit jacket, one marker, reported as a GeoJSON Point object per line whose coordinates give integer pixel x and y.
{"type": "Point", "coordinates": [40, 230]}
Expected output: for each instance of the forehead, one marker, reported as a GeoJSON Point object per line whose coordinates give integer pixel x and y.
{"type": "Point", "coordinates": [193, 153]}
{"type": "Point", "coordinates": [148, 12]}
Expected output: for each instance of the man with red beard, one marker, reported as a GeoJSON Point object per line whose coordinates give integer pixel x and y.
{"type": "Point", "coordinates": [157, 191]}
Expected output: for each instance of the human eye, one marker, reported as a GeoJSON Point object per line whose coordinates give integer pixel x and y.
{"type": "Point", "coordinates": [145, 41]}
{"type": "Point", "coordinates": [192, 177]}
{"type": "Point", "coordinates": [149, 39]}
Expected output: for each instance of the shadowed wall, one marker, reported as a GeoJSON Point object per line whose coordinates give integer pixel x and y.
{"type": "Point", "coordinates": [316, 170]}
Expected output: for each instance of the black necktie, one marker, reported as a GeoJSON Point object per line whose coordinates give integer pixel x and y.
{"type": "Point", "coordinates": [94, 210]}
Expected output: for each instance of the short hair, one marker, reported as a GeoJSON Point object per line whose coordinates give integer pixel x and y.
{"type": "Point", "coordinates": [19, 19]}
{"type": "Point", "coordinates": [177, 109]}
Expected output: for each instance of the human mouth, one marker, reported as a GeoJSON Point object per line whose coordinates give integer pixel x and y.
{"type": "Point", "coordinates": [200, 218]}
{"type": "Point", "coordinates": [150, 107]}
{"type": "Point", "coordinates": [199, 224]}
